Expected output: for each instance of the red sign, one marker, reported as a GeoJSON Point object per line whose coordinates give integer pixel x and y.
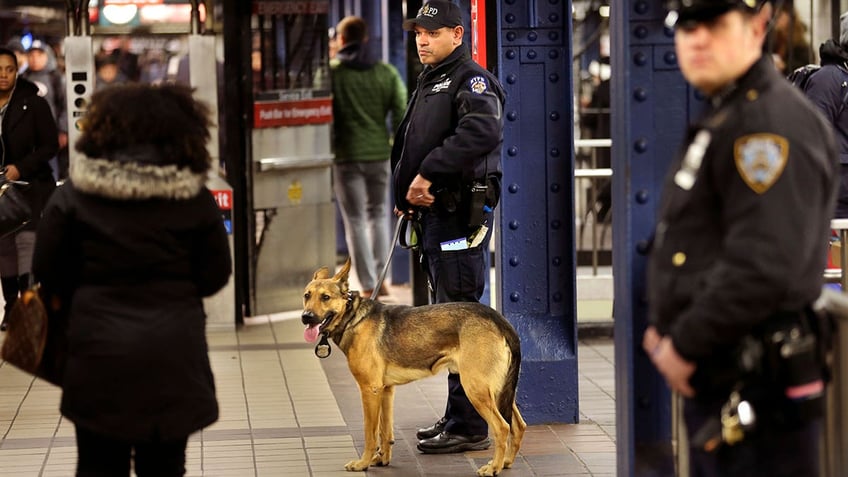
{"type": "Point", "coordinates": [224, 198]}
{"type": "Point", "coordinates": [292, 113]}
{"type": "Point", "coordinates": [478, 32]}
{"type": "Point", "coordinates": [132, 2]}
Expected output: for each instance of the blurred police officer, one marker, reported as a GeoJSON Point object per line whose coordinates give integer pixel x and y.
{"type": "Point", "coordinates": [449, 140]}
{"type": "Point", "coordinates": [739, 250]}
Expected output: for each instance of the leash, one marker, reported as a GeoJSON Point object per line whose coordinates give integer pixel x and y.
{"type": "Point", "coordinates": [382, 277]}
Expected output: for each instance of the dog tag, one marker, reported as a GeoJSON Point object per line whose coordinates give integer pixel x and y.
{"type": "Point", "coordinates": [322, 349]}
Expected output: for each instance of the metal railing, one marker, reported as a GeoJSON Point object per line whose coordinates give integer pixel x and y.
{"type": "Point", "coordinates": [591, 174]}
{"type": "Point", "coordinates": [835, 442]}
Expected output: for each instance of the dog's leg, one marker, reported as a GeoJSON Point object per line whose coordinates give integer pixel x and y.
{"type": "Point", "coordinates": [482, 396]}
{"type": "Point", "coordinates": [371, 398]}
{"type": "Point", "coordinates": [516, 431]}
{"type": "Point", "coordinates": [387, 433]}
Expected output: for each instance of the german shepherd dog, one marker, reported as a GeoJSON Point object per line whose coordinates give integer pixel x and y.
{"type": "Point", "coordinates": [387, 345]}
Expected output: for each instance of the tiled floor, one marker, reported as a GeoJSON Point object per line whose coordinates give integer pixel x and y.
{"type": "Point", "coordinates": [285, 412]}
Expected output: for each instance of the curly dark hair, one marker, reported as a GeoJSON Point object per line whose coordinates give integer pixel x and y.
{"type": "Point", "coordinates": [167, 117]}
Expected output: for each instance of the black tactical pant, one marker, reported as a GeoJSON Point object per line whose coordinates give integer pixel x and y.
{"type": "Point", "coordinates": [457, 275]}
{"type": "Point", "coordinates": [769, 451]}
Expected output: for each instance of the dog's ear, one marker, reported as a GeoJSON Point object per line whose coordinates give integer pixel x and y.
{"type": "Point", "coordinates": [321, 273]}
{"type": "Point", "coordinates": [342, 275]}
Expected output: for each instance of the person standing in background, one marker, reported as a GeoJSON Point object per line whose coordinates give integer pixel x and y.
{"type": "Point", "coordinates": [446, 158]}
{"type": "Point", "coordinates": [131, 244]}
{"type": "Point", "coordinates": [29, 140]}
{"type": "Point", "coordinates": [20, 54]}
{"type": "Point", "coordinates": [789, 43]}
{"type": "Point", "coordinates": [828, 89]}
{"type": "Point", "coordinates": [51, 85]}
{"type": "Point", "coordinates": [368, 97]}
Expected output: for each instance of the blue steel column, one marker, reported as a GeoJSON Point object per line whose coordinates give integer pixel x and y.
{"type": "Point", "coordinates": [650, 100]}
{"type": "Point", "coordinates": [536, 258]}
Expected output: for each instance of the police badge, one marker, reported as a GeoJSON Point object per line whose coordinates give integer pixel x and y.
{"type": "Point", "coordinates": [478, 84]}
{"type": "Point", "coordinates": [760, 159]}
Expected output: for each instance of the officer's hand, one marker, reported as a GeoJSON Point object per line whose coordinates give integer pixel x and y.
{"type": "Point", "coordinates": [12, 173]}
{"type": "Point", "coordinates": [673, 367]}
{"type": "Point", "coordinates": [419, 192]}
{"type": "Point", "coordinates": [650, 340]}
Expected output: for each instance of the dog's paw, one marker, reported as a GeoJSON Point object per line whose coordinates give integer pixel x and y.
{"type": "Point", "coordinates": [380, 460]}
{"type": "Point", "coordinates": [487, 470]}
{"type": "Point", "coordinates": [357, 465]}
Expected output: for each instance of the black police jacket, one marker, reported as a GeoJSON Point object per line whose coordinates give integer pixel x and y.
{"type": "Point", "coordinates": [452, 131]}
{"type": "Point", "coordinates": [743, 229]}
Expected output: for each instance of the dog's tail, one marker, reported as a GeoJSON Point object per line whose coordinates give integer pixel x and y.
{"type": "Point", "coordinates": [507, 396]}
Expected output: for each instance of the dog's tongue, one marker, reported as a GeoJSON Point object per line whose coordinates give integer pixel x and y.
{"type": "Point", "coordinates": [310, 334]}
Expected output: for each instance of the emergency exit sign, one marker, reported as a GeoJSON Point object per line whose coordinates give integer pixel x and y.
{"type": "Point", "coordinates": [292, 113]}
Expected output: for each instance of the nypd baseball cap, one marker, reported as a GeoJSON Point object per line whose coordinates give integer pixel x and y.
{"type": "Point", "coordinates": [684, 13]}
{"type": "Point", "coordinates": [435, 14]}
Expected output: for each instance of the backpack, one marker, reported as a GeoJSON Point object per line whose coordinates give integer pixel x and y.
{"type": "Point", "coordinates": [801, 75]}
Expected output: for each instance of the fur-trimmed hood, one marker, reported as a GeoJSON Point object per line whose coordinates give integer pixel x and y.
{"type": "Point", "coordinates": [135, 175]}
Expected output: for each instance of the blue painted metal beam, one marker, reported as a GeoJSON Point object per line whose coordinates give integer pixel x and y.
{"type": "Point", "coordinates": [649, 115]}
{"type": "Point", "coordinates": [536, 249]}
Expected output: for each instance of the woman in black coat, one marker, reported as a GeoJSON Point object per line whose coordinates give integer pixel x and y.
{"type": "Point", "coordinates": [27, 143]}
{"type": "Point", "coordinates": [131, 244]}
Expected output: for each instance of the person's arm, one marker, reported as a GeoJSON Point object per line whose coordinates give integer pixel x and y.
{"type": "Point", "coordinates": [478, 132]}
{"type": "Point", "coordinates": [45, 135]}
{"type": "Point", "coordinates": [53, 257]}
{"type": "Point", "coordinates": [210, 254]}
{"type": "Point", "coordinates": [825, 91]}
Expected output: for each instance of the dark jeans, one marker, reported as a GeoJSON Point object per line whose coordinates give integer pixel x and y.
{"type": "Point", "coordinates": [101, 456]}
{"type": "Point", "coordinates": [455, 276]}
{"type": "Point", "coordinates": [769, 451]}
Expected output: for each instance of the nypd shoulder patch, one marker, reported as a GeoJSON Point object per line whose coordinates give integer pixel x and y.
{"type": "Point", "coordinates": [760, 159]}
{"type": "Point", "coordinates": [478, 84]}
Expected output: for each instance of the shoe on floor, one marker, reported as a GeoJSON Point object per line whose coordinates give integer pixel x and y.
{"type": "Point", "coordinates": [432, 431]}
{"type": "Point", "coordinates": [447, 443]}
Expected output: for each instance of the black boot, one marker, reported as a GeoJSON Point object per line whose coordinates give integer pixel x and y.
{"type": "Point", "coordinates": [11, 288]}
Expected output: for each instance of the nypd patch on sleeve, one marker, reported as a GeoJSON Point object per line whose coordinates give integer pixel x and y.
{"type": "Point", "coordinates": [478, 84]}
{"type": "Point", "coordinates": [760, 159]}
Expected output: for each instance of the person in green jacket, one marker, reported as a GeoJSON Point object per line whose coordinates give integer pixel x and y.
{"type": "Point", "coordinates": [366, 95]}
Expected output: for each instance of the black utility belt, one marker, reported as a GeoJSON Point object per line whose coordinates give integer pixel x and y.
{"type": "Point", "coordinates": [474, 199]}
{"type": "Point", "coordinates": [788, 356]}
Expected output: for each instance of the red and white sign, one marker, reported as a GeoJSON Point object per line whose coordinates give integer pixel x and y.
{"type": "Point", "coordinates": [132, 2]}
{"type": "Point", "coordinates": [292, 113]}
{"type": "Point", "coordinates": [478, 32]}
{"type": "Point", "coordinates": [224, 198]}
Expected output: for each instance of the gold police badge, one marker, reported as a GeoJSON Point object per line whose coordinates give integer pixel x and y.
{"type": "Point", "coordinates": [760, 159]}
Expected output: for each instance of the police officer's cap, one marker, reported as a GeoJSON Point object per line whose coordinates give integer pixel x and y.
{"type": "Point", "coordinates": [434, 15]}
{"type": "Point", "coordinates": [684, 13]}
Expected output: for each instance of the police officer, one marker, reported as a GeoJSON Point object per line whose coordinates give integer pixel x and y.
{"type": "Point", "coordinates": [446, 161]}
{"type": "Point", "coordinates": [740, 246]}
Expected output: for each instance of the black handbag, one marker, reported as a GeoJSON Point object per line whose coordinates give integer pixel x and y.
{"type": "Point", "coordinates": [14, 209]}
